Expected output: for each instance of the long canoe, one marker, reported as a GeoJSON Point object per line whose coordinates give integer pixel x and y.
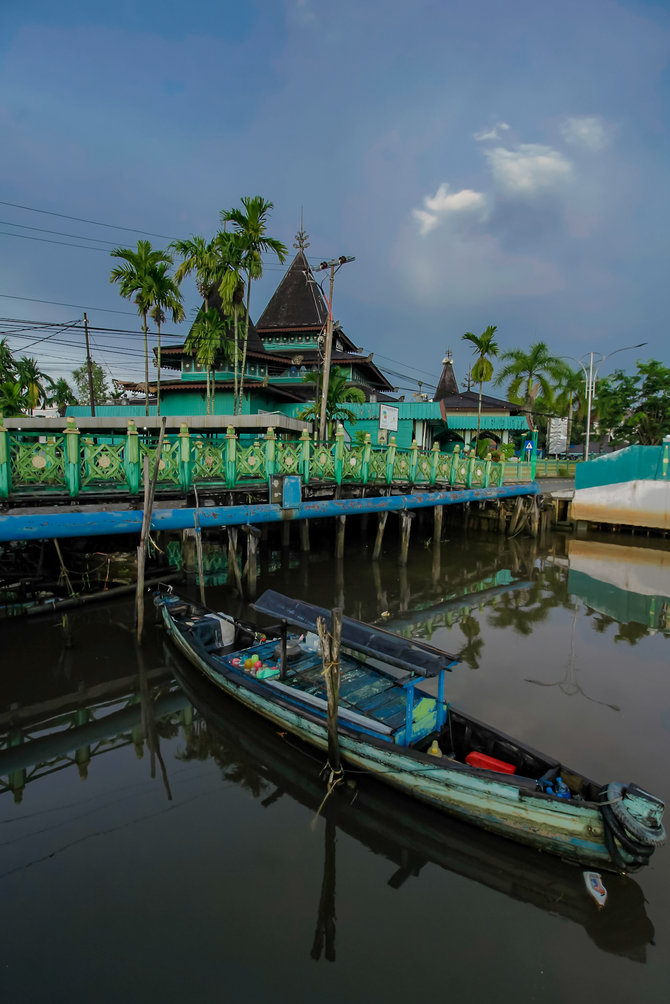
{"type": "Point", "coordinates": [414, 742]}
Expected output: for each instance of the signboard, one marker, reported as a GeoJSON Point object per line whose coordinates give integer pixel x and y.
{"type": "Point", "coordinates": [528, 446]}
{"type": "Point", "coordinates": [388, 417]}
{"type": "Point", "coordinates": [382, 437]}
{"type": "Point", "coordinates": [557, 435]}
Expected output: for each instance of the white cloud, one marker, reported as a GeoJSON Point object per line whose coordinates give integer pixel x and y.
{"type": "Point", "coordinates": [444, 204]}
{"type": "Point", "coordinates": [491, 134]}
{"type": "Point", "coordinates": [529, 169]}
{"type": "Point", "coordinates": [588, 131]}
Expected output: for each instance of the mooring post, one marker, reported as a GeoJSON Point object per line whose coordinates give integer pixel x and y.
{"type": "Point", "coordinates": [381, 523]}
{"type": "Point", "coordinates": [149, 492]}
{"type": "Point", "coordinates": [438, 513]}
{"type": "Point", "coordinates": [340, 525]}
{"type": "Point", "coordinates": [330, 654]}
{"type": "Point", "coordinates": [304, 535]}
{"type": "Point", "coordinates": [405, 530]}
{"type": "Point", "coordinates": [232, 559]}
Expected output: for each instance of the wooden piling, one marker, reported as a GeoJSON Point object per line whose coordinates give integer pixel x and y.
{"type": "Point", "coordinates": [330, 654]}
{"type": "Point", "coordinates": [534, 517]}
{"type": "Point", "coordinates": [251, 566]}
{"type": "Point", "coordinates": [149, 492]}
{"type": "Point", "coordinates": [405, 531]}
{"type": "Point", "coordinates": [516, 516]}
{"type": "Point", "coordinates": [381, 523]}
{"type": "Point", "coordinates": [304, 535]}
{"type": "Point", "coordinates": [286, 533]}
{"type": "Point", "coordinates": [340, 526]}
{"type": "Point", "coordinates": [438, 513]}
{"type": "Point", "coordinates": [232, 559]}
{"type": "Point", "coordinates": [502, 517]}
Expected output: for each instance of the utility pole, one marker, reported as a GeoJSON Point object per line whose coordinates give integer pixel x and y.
{"type": "Point", "coordinates": [335, 265]}
{"type": "Point", "coordinates": [89, 367]}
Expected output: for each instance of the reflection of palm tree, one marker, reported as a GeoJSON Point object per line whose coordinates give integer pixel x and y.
{"type": "Point", "coordinates": [631, 632]}
{"type": "Point", "coordinates": [471, 654]}
{"type": "Point", "coordinates": [513, 612]}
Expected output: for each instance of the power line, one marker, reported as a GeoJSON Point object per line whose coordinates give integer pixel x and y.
{"type": "Point", "coordinates": [78, 219]}
{"type": "Point", "coordinates": [57, 303]}
{"type": "Point", "coordinates": [46, 240]}
{"type": "Point", "coordinates": [59, 233]}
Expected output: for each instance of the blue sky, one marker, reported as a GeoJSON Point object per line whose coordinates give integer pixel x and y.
{"type": "Point", "coordinates": [486, 163]}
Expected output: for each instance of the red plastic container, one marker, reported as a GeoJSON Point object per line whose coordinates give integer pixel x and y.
{"type": "Point", "coordinates": [476, 759]}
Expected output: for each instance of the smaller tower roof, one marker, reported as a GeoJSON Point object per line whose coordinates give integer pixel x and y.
{"type": "Point", "coordinates": [446, 385]}
{"type": "Point", "coordinates": [297, 303]}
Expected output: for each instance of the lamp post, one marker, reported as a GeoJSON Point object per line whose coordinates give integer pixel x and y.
{"type": "Point", "coordinates": [335, 264]}
{"type": "Point", "coordinates": [590, 377]}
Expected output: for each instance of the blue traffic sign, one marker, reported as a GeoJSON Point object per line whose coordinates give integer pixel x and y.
{"type": "Point", "coordinates": [528, 446]}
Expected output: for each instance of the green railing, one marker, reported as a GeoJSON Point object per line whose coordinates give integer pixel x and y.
{"type": "Point", "coordinates": [522, 470]}
{"type": "Point", "coordinates": [78, 464]}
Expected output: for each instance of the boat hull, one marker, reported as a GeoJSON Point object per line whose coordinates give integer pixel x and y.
{"type": "Point", "coordinates": [574, 831]}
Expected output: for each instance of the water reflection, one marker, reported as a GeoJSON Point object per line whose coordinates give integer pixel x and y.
{"type": "Point", "coordinates": [411, 836]}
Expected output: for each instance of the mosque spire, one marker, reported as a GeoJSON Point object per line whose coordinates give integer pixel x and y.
{"type": "Point", "coordinates": [301, 241]}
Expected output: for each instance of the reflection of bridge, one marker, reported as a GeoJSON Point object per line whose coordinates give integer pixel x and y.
{"type": "Point", "coordinates": [75, 728]}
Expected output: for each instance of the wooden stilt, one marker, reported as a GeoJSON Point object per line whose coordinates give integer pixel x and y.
{"type": "Point", "coordinates": [534, 517]}
{"type": "Point", "coordinates": [438, 513]}
{"type": "Point", "coordinates": [149, 491]}
{"type": "Point", "coordinates": [304, 535]}
{"type": "Point", "coordinates": [330, 654]}
{"type": "Point", "coordinates": [502, 517]}
{"type": "Point", "coordinates": [232, 559]}
{"type": "Point", "coordinates": [251, 566]}
{"type": "Point", "coordinates": [286, 533]}
{"type": "Point", "coordinates": [516, 516]}
{"type": "Point", "coordinates": [381, 523]}
{"type": "Point", "coordinates": [340, 526]}
{"type": "Point", "coordinates": [405, 530]}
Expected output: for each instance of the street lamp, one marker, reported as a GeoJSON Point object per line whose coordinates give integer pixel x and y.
{"type": "Point", "coordinates": [335, 264]}
{"type": "Point", "coordinates": [591, 377]}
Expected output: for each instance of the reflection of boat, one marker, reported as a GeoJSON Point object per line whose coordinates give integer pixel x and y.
{"type": "Point", "coordinates": [409, 835]}
{"type": "Point", "coordinates": [485, 777]}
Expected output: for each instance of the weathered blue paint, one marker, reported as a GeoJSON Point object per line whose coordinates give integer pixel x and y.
{"type": "Point", "coordinates": [89, 524]}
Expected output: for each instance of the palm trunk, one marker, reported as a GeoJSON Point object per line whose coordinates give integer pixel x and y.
{"type": "Point", "coordinates": [213, 406]}
{"type": "Point", "coordinates": [235, 359]}
{"type": "Point", "coordinates": [479, 417]}
{"type": "Point", "coordinates": [244, 347]}
{"type": "Point", "coordinates": [158, 376]}
{"type": "Point", "coordinates": [146, 363]}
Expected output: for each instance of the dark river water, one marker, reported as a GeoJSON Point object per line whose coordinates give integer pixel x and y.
{"type": "Point", "coordinates": [158, 843]}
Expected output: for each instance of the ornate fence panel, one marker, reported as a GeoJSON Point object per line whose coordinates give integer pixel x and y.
{"type": "Point", "coordinates": [168, 465]}
{"type": "Point", "coordinates": [288, 457]}
{"type": "Point", "coordinates": [250, 462]}
{"type": "Point", "coordinates": [208, 461]}
{"type": "Point", "coordinates": [35, 463]}
{"type": "Point", "coordinates": [322, 462]}
{"type": "Point", "coordinates": [102, 464]}
{"type": "Point", "coordinates": [353, 464]}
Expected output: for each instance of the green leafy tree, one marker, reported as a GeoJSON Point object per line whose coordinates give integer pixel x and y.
{"type": "Point", "coordinates": [250, 223]}
{"type": "Point", "coordinates": [165, 299]}
{"type": "Point", "coordinates": [231, 291]}
{"type": "Point", "coordinates": [100, 388]}
{"type": "Point", "coordinates": [61, 396]}
{"type": "Point", "coordinates": [137, 279]}
{"type": "Point", "coordinates": [12, 399]}
{"type": "Point", "coordinates": [35, 384]}
{"type": "Point", "coordinates": [209, 342]}
{"type": "Point", "coordinates": [485, 347]}
{"type": "Point", "coordinates": [340, 393]}
{"type": "Point", "coordinates": [529, 373]}
{"type": "Point", "coordinates": [635, 408]}
{"type": "Point", "coordinates": [7, 364]}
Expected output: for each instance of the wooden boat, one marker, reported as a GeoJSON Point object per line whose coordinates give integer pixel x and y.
{"type": "Point", "coordinates": [410, 836]}
{"type": "Point", "coordinates": [417, 743]}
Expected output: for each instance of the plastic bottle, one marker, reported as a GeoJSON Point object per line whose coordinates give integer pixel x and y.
{"type": "Point", "coordinates": [561, 788]}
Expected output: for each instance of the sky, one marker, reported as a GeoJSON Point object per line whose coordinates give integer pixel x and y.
{"type": "Point", "coordinates": [485, 163]}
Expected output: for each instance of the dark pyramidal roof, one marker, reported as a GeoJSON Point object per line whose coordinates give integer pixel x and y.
{"type": "Point", "coordinates": [297, 302]}
{"type": "Point", "coordinates": [446, 385]}
{"type": "Point", "coordinates": [254, 344]}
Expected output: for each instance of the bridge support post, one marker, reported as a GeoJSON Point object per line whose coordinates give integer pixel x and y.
{"type": "Point", "coordinates": [72, 473]}
{"type": "Point", "coordinates": [340, 523]}
{"type": "Point", "coordinates": [5, 467]}
{"type": "Point", "coordinates": [405, 530]}
{"type": "Point", "coordinates": [304, 535]}
{"type": "Point", "coordinates": [438, 513]}
{"type": "Point", "coordinates": [286, 534]}
{"type": "Point", "coordinates": [381, 523]}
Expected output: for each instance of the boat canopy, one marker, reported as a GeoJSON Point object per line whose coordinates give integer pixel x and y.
{"type": "Point", "coordinates": [404, 653]}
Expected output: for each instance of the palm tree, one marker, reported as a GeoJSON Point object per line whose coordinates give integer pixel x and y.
{"type": "Point", "coordinates": [570, 398]}
{"type": "Point", "coordinates": [12, 399]}
{"type": "Point", "coordinates": [165, 296]}
{"type": "Point", "coordinates": [136, 279]}
{"type": "Point", "coordinates": [250, 223]}
{"type": "Point", "coordinates": [340, 393]}
{"type": "Point", "coordinates": [7, 364]}
{"type": "Point", "coordinates": [32, 381]}
{"type": "Point", "coordinates": [485, 346]}
{"type": "Point", "coordinates": [530, 373]}
{"type": "Point", "coordinates": [231, 291]}
{"type": "Point", "coordinates": [62, 395]}
{"type": "Point", "coordinates": [208, 341]}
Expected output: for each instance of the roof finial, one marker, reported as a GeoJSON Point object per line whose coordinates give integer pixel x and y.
{"type": "Point", "coordinates": [301, 241]}
{"type": "Point", "coordinates": [448, 360]}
